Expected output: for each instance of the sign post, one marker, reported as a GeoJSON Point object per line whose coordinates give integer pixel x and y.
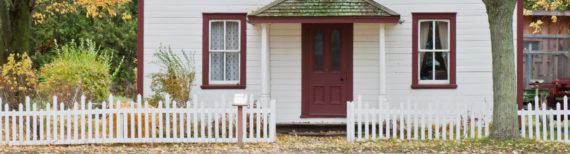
{"type": "Point", "coordinates": [240, 100]}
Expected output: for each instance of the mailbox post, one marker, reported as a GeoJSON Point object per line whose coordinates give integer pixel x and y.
{"type": "Point", "coordinates": [240, 100]}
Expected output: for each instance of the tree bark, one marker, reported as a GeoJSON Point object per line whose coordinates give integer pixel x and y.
{"type": "Point", "coordinates": [4, 31]}
{"type": "Point", "coordinates": [21, 19]}
{"type": "Point", "coordinates": [505, 122]}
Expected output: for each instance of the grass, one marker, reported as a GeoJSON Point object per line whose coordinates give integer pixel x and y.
{"type": "Point", "coordinates": [302, 144]}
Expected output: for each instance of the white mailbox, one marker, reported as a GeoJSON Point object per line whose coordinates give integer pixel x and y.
{"type": "Point", "coordinates": [240, 99]}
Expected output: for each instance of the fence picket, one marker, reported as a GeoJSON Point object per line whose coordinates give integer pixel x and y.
{"type": "Point", "coordinates": [104, 120]}
{"type": "Point", "coordinates": [160, 126]}
{"type": "Point", "coordinates": [27, 136]}
{"type": "Point", "coordinates": [34, 123]}
{"type": "Point", "coordinates": [89, 121]}
{"type": "Point", "coordinates": [174, 120]}
{"type": "Point", "coordinates": [530, 124]}
{"type": "Point", "coordinates": [558, 129]}
{"type": "Point", "coordinates": [139, 113]}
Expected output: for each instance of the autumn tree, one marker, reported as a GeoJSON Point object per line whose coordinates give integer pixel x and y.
{"type": "Point", "coordinates": [544, 5]}
{"type": "Point", "coordinates": [500, 16]}
{"type": "Point", "coordinates": [16, 18]}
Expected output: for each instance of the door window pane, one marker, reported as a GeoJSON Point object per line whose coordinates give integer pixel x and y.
{"type": "Point", "coordinates": [335, 50]}
{"type": "Point", "coordinates": [318, 51]}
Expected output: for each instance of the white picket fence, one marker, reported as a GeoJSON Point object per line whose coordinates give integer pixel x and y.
{"type": "Point", "coordinates": [135, 123]}
{"type": "Point", "coordinates": [378, 120]}
{"type": "Point", "coordinates": [541, 124]}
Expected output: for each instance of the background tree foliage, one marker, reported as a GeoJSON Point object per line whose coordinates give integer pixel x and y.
{"type": "Point", "coordinates": [34, 26]}
{"type": "Point", "coordinates": [544, 5]}
{"type": "Point", "coordinates": [112, 27]}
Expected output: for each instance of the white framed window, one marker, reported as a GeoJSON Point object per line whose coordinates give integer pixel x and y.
{"type": "Point", "coordinates": [224, 51]}
{"type": "Point", "coordinates": [433, 51]}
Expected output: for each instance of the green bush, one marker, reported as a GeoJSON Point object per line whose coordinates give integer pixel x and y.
{"type": "Point", "coordinates": [175, 78]}
{"type": "Point", "coordinates": [77, 70]}
{"type": "Point", "coordinates": [17, 80]}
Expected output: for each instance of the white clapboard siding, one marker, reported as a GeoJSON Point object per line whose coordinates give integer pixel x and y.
{"type": "Point", "coordinates": [114, 122]}
{"type": "Point", "coordinates": [411, 122]}
{"type": "Point", "coordinates": [540, 123]}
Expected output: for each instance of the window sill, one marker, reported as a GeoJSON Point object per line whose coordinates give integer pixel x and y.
{"type": "Point", "coordinates": [223, 86]}
{"type": "Point", "coordinates": [434, 86]}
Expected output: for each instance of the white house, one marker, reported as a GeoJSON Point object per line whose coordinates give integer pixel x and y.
{"type": "Point", "coordinates": [314, 55]}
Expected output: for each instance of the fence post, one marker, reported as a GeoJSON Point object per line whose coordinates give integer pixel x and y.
{"type": "Point", "coordinates": [240, 124]}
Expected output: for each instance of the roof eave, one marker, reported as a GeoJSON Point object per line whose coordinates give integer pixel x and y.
{"type": "Point", "coordinates": [329, 19]}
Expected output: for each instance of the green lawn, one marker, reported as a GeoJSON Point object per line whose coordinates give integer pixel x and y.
{"type": "Point", "coordinates": [289, 143]}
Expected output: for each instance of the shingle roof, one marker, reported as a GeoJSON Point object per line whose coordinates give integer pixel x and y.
{"type": "Point", "coordinates": [323, 8]}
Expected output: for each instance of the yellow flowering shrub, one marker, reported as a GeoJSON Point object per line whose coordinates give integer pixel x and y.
{"type": "Point", "coordinates": [78, 70]}
{"type": "Point", "coordinates": [17, 80]}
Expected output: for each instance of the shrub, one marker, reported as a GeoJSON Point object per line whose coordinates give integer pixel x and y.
{"type": "Point", "coordinates": [175, 78]}
{"type": "Point", "coordinates": [77, 70]}
{"type": "Point", "coordinates": [17, 80]}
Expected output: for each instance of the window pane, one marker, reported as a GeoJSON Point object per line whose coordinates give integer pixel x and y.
{"type": "Point", "coordinates": [426, 65]}
{"type": "Point", "coordinates": [217, 35]}
{"type": "Point", "coordinates": [335, 50]}
{"type": "Point", "coordinates": [531, 45]}
{"type": "Point", "coordinates": [426, 35]}
{"type": "Point", "coordinates": [232, 66]}
{"type": "Point", "coordinates": [441, 65]}
{"type": "Point", "coordinates": [217, 66]}
{"type": "Point", "coordinates": [318, 51]}
{"type": "Point", "coordinates": [441, 35]}
{"type": "Point", "coordinates": [232, 35]}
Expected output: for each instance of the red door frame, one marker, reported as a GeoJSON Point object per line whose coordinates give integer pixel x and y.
{"type": "Point", "coordinates": [307, 67]}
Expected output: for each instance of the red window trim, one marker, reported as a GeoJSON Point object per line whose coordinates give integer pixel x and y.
{"type": "Point", "coordinates": [415, 81]}
{"type": "Point", "coordinates": [206, 17]}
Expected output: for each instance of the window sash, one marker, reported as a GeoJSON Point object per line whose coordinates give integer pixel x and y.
{"type": "Point", "coordinates": [238, 50]}
{"type": "Point", "coordinates": [433, 50]}
{"type": "Point", "coordinates": [224, 81]}
{"type": "Point", "coordinates": [224, 38]}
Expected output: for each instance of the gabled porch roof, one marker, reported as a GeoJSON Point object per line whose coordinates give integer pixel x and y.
{"type": "Point", "coordinates": [324, 11]}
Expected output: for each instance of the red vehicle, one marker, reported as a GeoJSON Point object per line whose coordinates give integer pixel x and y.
{"type": "Point", "coordinates": [557, 90]}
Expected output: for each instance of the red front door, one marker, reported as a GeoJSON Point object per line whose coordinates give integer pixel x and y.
{"type": "Point", "coordinates": [327, 69]}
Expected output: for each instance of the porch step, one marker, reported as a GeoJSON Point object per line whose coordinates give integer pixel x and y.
{"type": "Point", "coordinates": [312, 130]}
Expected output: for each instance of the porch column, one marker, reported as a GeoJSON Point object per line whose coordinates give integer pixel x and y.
{"type": "Point", "coordinates": [265, 70]}
{"type": "Point", "coordinates": [382, 58]}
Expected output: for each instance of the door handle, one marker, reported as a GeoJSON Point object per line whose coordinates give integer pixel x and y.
{"type": "Point", "coordinates": [342, 79]}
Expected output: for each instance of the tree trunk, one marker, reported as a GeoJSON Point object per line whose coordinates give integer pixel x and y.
{"type": "Point", "coordinates": [505, 122]}
{"type": "Point", "coordinates": [21, 18]}
{"type": "Point", "coordinates": [4, 31]}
